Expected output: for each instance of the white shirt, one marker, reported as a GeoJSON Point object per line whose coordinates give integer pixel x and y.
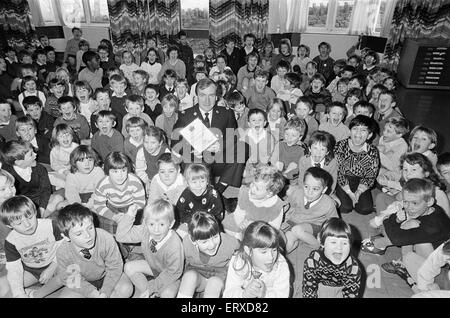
{"type": "Point", "coordinates": [24, 173]}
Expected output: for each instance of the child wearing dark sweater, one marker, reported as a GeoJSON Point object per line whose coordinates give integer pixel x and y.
{"type": "Point", "coordinates": [107, 139]}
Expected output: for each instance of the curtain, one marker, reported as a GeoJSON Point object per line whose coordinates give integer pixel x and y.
{"type": "Point", "coordinates": [288, 16]}
{"type": "Point", "coordinates": [237, 17]}
{"type": "Point", "coordinates": [364, 17]}
{"type": "Point", "coordinates": [17, 24]}
{"type": "Point", "coordinates": [416, 19]}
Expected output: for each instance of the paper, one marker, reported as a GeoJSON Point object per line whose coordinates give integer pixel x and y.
{"type": "Point", "coordinates": [198, 135]}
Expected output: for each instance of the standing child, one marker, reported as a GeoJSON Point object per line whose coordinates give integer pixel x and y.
{"type": "Point", "coordinates": [276, 118]}
{"type": "Point", "coordinates": [424, 140]}
{"type": "Point", "coordinates": [336, 113]}
{"type": "Point", "coordinates": [325, 62]}
{"type": "Point", "coordinates": [106, 139]}
{"type": "Point", "coordinates": [135, 128]}
{"type": "Point", "coordinates": [167, 85]}
{"type": "Point", "coordinates": [57, 89]}
{"type": "Point", "coordinates": [29, 88]}
{"type": "Point", "coordinates": [304, 109]}
{"type": "Point", "coordinates": [89, 260]}
{"type": "Point", "coordinates": [30, 250]}
{"type": "Point", "coordinates": [87, 106]}
{"type": "Point", "coordinates": [134, 105]}
{"type": "Point", "coordinates": [93, 73]}
{"type": "Point", "coordinates": [291, 91]}
{"type": "Point", "coordinates": [44, 121]}
{"type": "Point", "coordinates": [258, 269]}
{"type": "Point", "coordinates": [181, 91]}
{"type": "Point", "coordinates": [208, 252]}
{"type": "Point", "coordinates": [118, 192]}
{"type": "Point", "coordinates": [128, 66]}
{"type": "Point", "coordinates": [331, 271]}
{"type": "Point", "coordinates": [79, 124]}
{"type": "Point", "coordinates": [169, 117]}
{"type": "Point", "coordinates": [162, 248]}
{"type": "Point", "coordinates": [85, 174]}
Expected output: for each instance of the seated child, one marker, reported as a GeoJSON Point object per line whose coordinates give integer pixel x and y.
{"type": "Point", "coordinates": [29, 88]}
{"type": "Point", "coordinates": [89, 260]}
{"type": "Point", "coordinates": [259, 95]}
{"type": "Point", "coordinates": [85, 174]}
{"type": "Point", "coordinates": [276, 118]}
{"type": "Point", "coordinates": [310, 208]}
{"type": "Point", "coordinates": [44, 121]}
{"type": "Point", "coordinates": [7, 121]}
{"type": "Point", "coordinates": [128, 66]}
{"type": "Point", "coordinates": [331, 271]}
{"type": "Point", "coordinates": [79, 124]}
{"type": "Point", "coordinates": [258, 202]}
{"type": "Point", "coordinates": [341, 90]}
{"type": "Point", "coordinates": [87, 105]}
{"type": "Point", "coordinates": [258, 269]}
{"type": "Point", "coordinates": [291, 91]}
{"type": "Point", "coordinates": [101, 96]}
{"type": "Point", "coordinates": [375, 92]}
{"type": "Point", "coordinates": [291, 149]}
{"type": "Point", "coordinates": [361, 108]}
{"type": "Point", "coordinates": [117, 192]}
{"type": "Point", "coordinates": [386, 109]}
{"type": "Point", "coordinates": [26, 132]}
{"type": "Point", "coordinates": [278, 81]}
{"type": "Point", "coordinates": [140, 80]}
{"type": "Point", "coordinates": [336, 113]}
{"type": "Point", "coordinates": [135, 127]}
{"type": "Point", "coordinates": [167, 83]}
{"type": "Point", "coordinates": [153, 106]}
{"type": "Point", "coordinates": [208, 252]}
{"type": "Point", "coordinates": [354, 95]}
{"type": "Point", "coordinates": [7, 190]}
{"type": "Point", "coordinates": [306, 77]}
{"type": "Point", "coordinates": [320, 96]}
{"type": "Point", "coordinates": [443, 166]}
{"type": "Point", "coordinates": [118, 85]}
{"type": "Point", "coordinates": [134, 105]}
{"type": "Point", "coordinates": [236, 101]}
{"type": "Point", "coordinates": [424, 140]}
{"type": "Point", "coordinates": [181, 91]}
{"type": "Point", "coordinates": [106, 139]}
{"type": "Point", "coordinates": [162, 249]}
{"type": "Point", "coordinates": [30, 250]}
{"type": "Point", "coordinates": [169, 183]}
{"type": "Point", "coordinates": [169, 116]}
{"type": "Point", "coordinates": [199, 195]}
{"type": "Point", "coordinates": [31, 178]}
{"type": "Point", "coordinates": [304, 109]}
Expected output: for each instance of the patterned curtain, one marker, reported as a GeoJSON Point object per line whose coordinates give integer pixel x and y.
{"type": "Point", "coordinates": [236, 18]}
{"type": "Point", "coordinates": [17, 24]}
{"type": "Point", "coordinates": [416, 19]}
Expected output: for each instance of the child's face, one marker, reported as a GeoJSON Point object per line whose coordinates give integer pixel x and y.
{"type": "Point", "coordinates": [239, 108]}
{"type": "Point", "coordinates": [136, 133]}
{"type": "Point", "coordinates": [363, 111]}
{"type": "Point", "coordinates": [27, 59]}
{"type": "Point", "coordinates": [151, 144]}
{"type": "Point", "coordinates": [311, 69]}
{"type": "Point", "coordinates": [67, 111]}
{"type": "Point", "coordinates": [134, 109]}
{"type": "Point", "coordinates": [168, 110]}
{"type": "Point", "coordinates": [103, 55]}
{"type": "Point", "coordinates": [230, 45]}
{"type": "Point", "coordinates": [410, 171]}
{"type": "Point", "coordinates": [30, 86]}
{"type": "Point", "coordinates": [292, 136]}
{"type": "Point", "coordinates": [302, 110]}
{"type": "Point", "coordinates": [151, 43]}
{"type": "Point", "coordinates": [29, 160]}
{"type": "Point", "coordinates": [281, 71]}
{"type": "Point", "coordinates": [82, 94]}
{"type": "Point", "coordinates": [342, 89]}
{"type": "Point", "coordinates": [209, 54]}
{"type": "Point", "coordinates": [257, 122]}
{"type": "Point", "coordinates": [359, 135]}
{"type": "Point", "coordinates": [313, 188]}
{"type": "Point", "coordinates": [336, 115]}
{"type": "Point", "coordinates": [284, 49]}
{"type": "Point", "coordinates": [158, 226]}
{"type": "Point", "coordinates": [170, 81]}
{"type": "Point", "coordinates": [5, 112]}
{"type": "Point", "coordinates": [105, 124]}
{"type": "Point", "coordinates": [173, 55]}
{"type": "Point", "coordinates": [197, 184]}
{"type": "Point", "coordinates": [7, 189]}
{"type": "Point", "coordinates": [34, 111]}
{"type": "Point", "coordinates": [336, 249]}
{"type": "Point", "coordinates": [51, 56]}
{"type": "Point", "coordinates": [26, 132]}
{"type": "Point", "coordinates": [181, 90]}
{"type": "Point", "coordinates": [352, 100]}
{"type": "Point", "coordinates": [57, 90]}
{"type": "Point", "coordinates": [323, 50]}
{"type": "Point", "coordinates": [127, 58]}
{"type": "Point", "coordinates": [389, 83]}
{"type": "Point", "coordinates": [302, 52]}
{"type": "Point", "coordinates": [168, 173]}
{"type": "Point", "coordinates": [263, 259]}
{"type": "Point", "coordinates": [26, 225]}
{"type": "Point", "coordinates": [44, 41]}
{"type": "Point", "coordinates": [275, 112]}
{"type": "Point", "coordinates": [85, 165]}
{"type": "Point", "coordinates": [259, 191]}
{"type": "Point", "coordinates": [376, 93]}
{"type": "Point", "coordinates": [318, 151]}
{"type": "Point", "coordinates": [353, 62]}
{"type": "Point", "coordinates": [369, 60]}
{"type": "Point", "coordinates": [150, 94]}
{"type": "Point", "coordinates": [384, 103]}
{"type": "Point", "coordinates": [83, 234]}
{"type": "Point", "coordinates": [103, 101]}
{"type": "Point", "coordinates": [209, 246]}
{"type": "Point", "coordinates": [221, 63]}
{"type": "Point", "coordinates": [354, 83]}
{"type": "Point", "coordinates": [444, 170]}
{"type": "Point", "coordinates": [389, 133]}
{"type": "Point", "coordinates": [249, 41]}
{"type": "Point", "coordinates": [316, 85]}
{"type": "Point", "coordinates": [260, 83]}
{"type": "Point", "coordinates": [415, 205]}
{"type": "Point", "coordinates": [139, 81]}
{"type": "Point", "coordinates": [347, 74]}
{"type": "Point", "coordinates": [200, 76]}
{"type": "Point", "coordinates": [151, 56]}
{"type": "Point", "coordinates": [64, 139]}
{"type": "Point", "coordinates": [42, 58]}
{"type": "Point", "coordinates": [252, 62]}
{"type": "Point", "coordinates": [421, 142]}
{"type": "Point", "coordinates": [118, 176]}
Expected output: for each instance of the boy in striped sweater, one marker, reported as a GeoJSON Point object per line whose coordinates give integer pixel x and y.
{"type": "Point", "coordinates": [117, 192]}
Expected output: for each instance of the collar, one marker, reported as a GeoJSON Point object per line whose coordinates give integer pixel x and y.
{"type": "Point", "coordinates": [135, 143]}
{"type": "Point", "coordinates": [111, 133]}
{"type": "Point", "coordinates": [23, 171]}
{"type": "Point", "coordinates": [179, 181]}
{"type": "Point", "coordinates": [72, 118]}
{"type": "Point", "coordinates": [267, 203]}
{"type": "Point", "coordinates": [164, 240]}
{"type": "Point", "coordinates": [203, 113]}
{"type": "Point", "coordinates": [115, 95]}
{"type": "Point", "coordinates": [322, 163]}
{"type": "Point", "coordinates": [364, 148]}
{"type": "Point", "coordinates": [34, 143]}
{"type": "Point", "coordinates": [313, 203]}
{"type": "Point", "coordinates": [251, 133]}
{"type": "Point", "coordinates": [169, 88]}
{"type": "Point", "coordinates": [390, 110]}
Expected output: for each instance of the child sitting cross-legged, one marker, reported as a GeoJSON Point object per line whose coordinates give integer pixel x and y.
{"type": "Point", "coordinates": [258, 202]}
{"type": "Point", "coordinates": [135, 127]}
{"type": "Point", "coordinates": [79, 124]}
{"type": "Point", "coordinates": [134, 105]}
{"type": "Point", "coordinates": [7, 190]}
{"type": "Point", "coordinates": [208, 252]}
{"type": "Point", "coordinates": [26, 131]}
{"type": "Point", "coordinates": [330, 271]}
{"type": "Point", "coordinates": [89, 260]}
{"type": "Point", "coordinates": [169, 115]}
{"type": "Point", "coordinates": [44, 121]}
{"type": "Point", "coordinates": [106, 139]}
{"type": "Point", "coordinates": [276, 118]}
{"type": "Point", "coordinates": [304, 109]}
{"type": "Point", "coordinates": [162, 248]}
{"type": "Point", "coordinates": [310, 207]}
{"type": "Point", "coordinates": [30, 250]}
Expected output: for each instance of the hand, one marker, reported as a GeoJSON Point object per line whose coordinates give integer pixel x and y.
{"type": "Point", "coordinates": [410, 224]}
{"type": "Point", "coordinates": [352, 197]}
{"type": "Point", "coordinates": [47, 274]}
{"type": "Point", "coordinates": [132, 210]}
{"type": "Point", "coordinates": [252, 290]}
{"type": "Point", "coordinates": [279, 165]}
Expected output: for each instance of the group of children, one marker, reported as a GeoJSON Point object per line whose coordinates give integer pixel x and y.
{"type": "Point", "coordinates": [104, 208]}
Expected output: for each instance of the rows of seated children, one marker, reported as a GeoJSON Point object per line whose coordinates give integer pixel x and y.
{"type": "Point", "coordinates": [324, 136]}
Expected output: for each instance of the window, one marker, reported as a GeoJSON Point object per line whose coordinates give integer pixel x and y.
{"type": "Point", "coordinates": [99, 11]}
{"type": "Point", "coordinates": [72, 12]}
{"type": "Point", "coordinates": [318, 11]}
{"type": "Point", "coordinates": [381, 17]}
{"type": "Point", "coordinates": [47, 13]}
{"type": "Point", "coordinates": [195, 14]}
{"type": "Point", "coordinates": [344, 14]}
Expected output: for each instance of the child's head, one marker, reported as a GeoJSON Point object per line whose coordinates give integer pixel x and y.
{"type": "Point", "coordinates": [336, 239]}
{"type": "Point", "coordinates": [357, 81]}
{"type": "Point", "coordinates": [324, 49]}
{"type": "Point", "coordinates": [416, 165]}
{"type": "Point", "coordinates": [151, 92]}
{"type": "Point", "coordinates": [127, 58]}
{"type": "Point", "coordinates": [113, 70]}
{"type": "Point", "coordinates": [342, 86]}
{"type": "Point", "coordinates": [282, 68]}
{"type": "Point", "coordinates": [152, 55]}
{"type": "Point", "coordinates": [76, 223]}
{"type": "Point", "coordinates": [395, 128]}
{"type": "Point", "coordinates": [276, 109]}
{"type": "Point", "coordinates": [62, 136]}
{"type": "Point", "coordinates": [199, 61]}
{"type": "Point", "coordinates": [293, 80]}
{"type": "Point", "coordinates": [321, 146]}
{"type": "Point", "coordinates": [159, 217]}
{"type": "Point", "coordinates": [364, 108]}
{"type": "Point", "coordinates": [257, 119]}
{"type": "Point", "coordinates": [387, 101]}
{"type": "Point", "coordinates": [103, 52]}
{"type": "Point", "coordinates": [101, 96]}
{"type": "Point", "coordinates": [173, 52]}
{"type": "Point", "coordinates": [7, 188]}
{"type": "Point", "coordinates": [83, 91]}
{"type": "Point", "coordinates": [26, 128]}
{"type": "Point", "coordinates": [443, 166]}
{"type": "Point", "coordinates": [169, 77]}
{"type": "Point", "coordinates": [354, 61]}
{"type": "Point", "coordinates": [41, 56]}
{"type": "Point", "coordinates": [135, 127]}
{"type": "Point", "coordinates": [140, 78]}
{"type": "Point", "coordinates": [181, 87]}
{"type": "Point", "coordinates": [348, 71]}
{"type": "Point", "coordinates": [209, 53]}
{"type": "Point", "coordinates": [376, 91]}
{"type": "Point", "coordinates": [200, 73]}
{"type": "Point", "coordinates": [285, 47]}
{"type": "Point", "coordinates": [422, 139]}
{"type": "Point", "coordinates": [390, 83]}
{"type": "Point", "coordinates": [91, 59]}
{"type": "Point", "coordinates": [303, 50]}
{"type": "Point", "coordinates": [338, 66]}
{"type": "Point", "coordinates": [169, 105]}
{"type": "Point", "coordinates": [28, 70]}
{"type": "Point", "coordinates": [261, 80]}
{"type": "Point", "coordinates": [29, 84]}
{"type": "Point", "coordinates": [354, 95]}
{"type": "Point", "coordinates": [83, 45]}
{"type": "Point", "coordinates": [43, 39]}
{"type": "Point", "coordinates": [117, 166]}
{"type": "Point", "coordinates": [197, 178]}
{"type": "Point", "coordinates": [311, 68]}
{"type": "Point", "coordinates": [268, 182]}
{"type": "Point", "coordinates": [153, 139]}
{"type": "Point", "coordinates": [19, 153]}
{"type": "Point", "coordinates": [236, 101]}
{"type": "Point", "coordinates": [304, 107]}
{"type": "Point", "coordinates": [83, 159]}
{"type": "Point", "coordinates": [118, 84]}
{"type": "Point", "coordinates": [5, 110]}
{"type": "Point", "coordinates": [361, 130]}
{"type": "Point", "coordinates": [418, 196]}
{"type": "Point", "coordinates": [168, 169]}
{"type": "Point", "coordinates": [204, 232]}
{"type": "Point", "coordinates": [134, 105]}
{"type": "Point", "coordinates": [294, 130]}
{"type": "Point", "coordinates": [249, 39]}
{"type": "Point", "coordinates": [316, 182]}
{"type": "Point", "coordinates": [317, 82]}
{"type": "Point", "coordinates": [57, 87]}
{"type": "Point", "coordinates": [33, 106]}
{"type": "Point", "coordinates": [260, 247]}
{"type": "Point", "coordinates": [337, 113]}
{"type": "Point", "coordinates": [252, 60]}
{"type": "Point", "coordinates": [25, 57]}
{"type": "Point", "coordinates": [19, 213]}
{"type": "Point", "coordinates": [371, 58]}
{"type": "Point", "coordinates": [106, 120]}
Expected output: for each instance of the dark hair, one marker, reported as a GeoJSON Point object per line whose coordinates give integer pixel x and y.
{"type": "Point", "coordinates": [361, 80]}
{"type": "Point", "coordinates": [235, 98]}
{"type": "Point", "coordinates": [443, 159]}
{"type": "Point", "coordinates": [203, 226]}
{"type": "Point", "coordinates": [326, 139]}
{"type": "Point", "coordinates": [348, 68]}
{"type": "Point", "coordinates": [365, 121]}
{"type": "Point", "coordinates": [364, 104]}
{"type": "Point", "coordinates": [324, 176]}
{"type": "Point", "coordinates": [254, 111]}
{"type": "Point", "coordinates": [335, 227]}
{"type": "Point", "coordinates": [284, 64]}
{"type": "Point", "coordinates": [422, 186]}
{"type": "Point", "coordinates": [89, 56]}
{"type": "Point", "coordinates": [71, 216]}
{"type": "Point", "coordinates": [82, 152]}
{"type": "Point", "coordinates": [116, 160]}
{"type": "Point", "coordinates": [31, 100]}
{"type": "Point", "coordinates": [414, 158]}
{"type": "Point", "coordinates": [293, 79]}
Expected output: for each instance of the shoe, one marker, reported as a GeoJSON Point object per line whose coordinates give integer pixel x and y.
{"type": "Point", "coordinates": [393, 267]}
{"type": "Point", "coordinates": [368, 246]}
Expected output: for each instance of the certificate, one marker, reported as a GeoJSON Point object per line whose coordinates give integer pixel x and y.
{"type": "Point", "coordinates": [198, 135]}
